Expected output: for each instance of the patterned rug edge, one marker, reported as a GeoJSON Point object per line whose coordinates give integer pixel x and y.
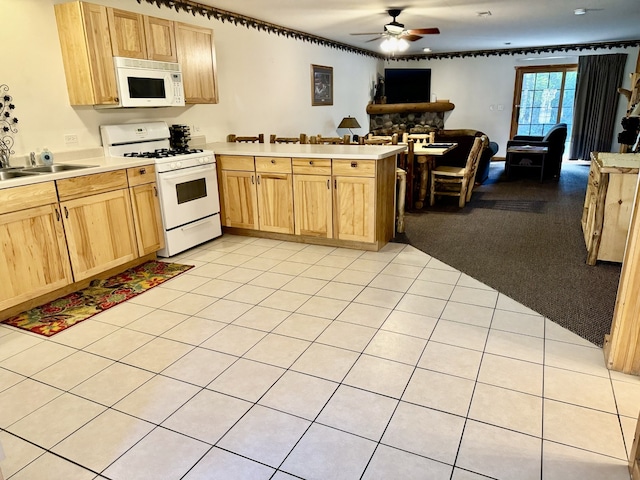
{"type": "Point", "coordinates": [62, 313]}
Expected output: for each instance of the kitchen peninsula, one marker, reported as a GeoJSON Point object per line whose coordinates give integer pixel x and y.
{"type": "Point", "coordinates": [337, 195]}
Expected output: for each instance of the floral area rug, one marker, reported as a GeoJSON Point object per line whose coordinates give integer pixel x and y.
{"type": "Point", "coordinates": [101, 295]}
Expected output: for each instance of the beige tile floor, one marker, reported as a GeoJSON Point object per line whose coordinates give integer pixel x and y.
{"type": "Point", "coordinates": [276, 360]}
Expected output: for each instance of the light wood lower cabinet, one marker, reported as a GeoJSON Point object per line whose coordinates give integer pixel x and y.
{"type": "Point", "coordinates": [240, 199]}
{"type": "Point", "coordinates": [146, 209]}
{"type": "Point", "coordinates": [257, 195]}
{"type": "Point", "coordinates": [33, 253]}
{"type": "Point", "coordinates": [335, 202]}
{"type": "Point", "coordinates": [100, 232]}
{"type": "Point", "coordinates": [313, 197]}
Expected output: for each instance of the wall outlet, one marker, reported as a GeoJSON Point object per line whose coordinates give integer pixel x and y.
{"type": "Point", "coordinates": [500, 107]}
{"type": "Point", "coordinates": [70, 139]}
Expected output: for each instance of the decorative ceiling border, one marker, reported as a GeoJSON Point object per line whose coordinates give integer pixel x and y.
{"type": "Point", "coordinates": [196, 8]}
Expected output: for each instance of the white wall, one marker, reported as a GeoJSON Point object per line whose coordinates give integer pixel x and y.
{"type": "Point", "coordinates": [263, 79]}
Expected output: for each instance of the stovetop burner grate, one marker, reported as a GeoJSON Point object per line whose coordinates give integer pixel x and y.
{"type": "Point", "coordinates": [163, 153]}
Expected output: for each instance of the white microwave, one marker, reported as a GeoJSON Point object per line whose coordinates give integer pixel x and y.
{"type": "Point", "coordinates": [148, 83]}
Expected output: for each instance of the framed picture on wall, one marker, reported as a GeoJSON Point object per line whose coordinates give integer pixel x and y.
{"type": "Point", "coordinates": [321, 85]}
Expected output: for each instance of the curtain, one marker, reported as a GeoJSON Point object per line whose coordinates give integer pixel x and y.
{"type": "Point", "coordinates": [594, 118]}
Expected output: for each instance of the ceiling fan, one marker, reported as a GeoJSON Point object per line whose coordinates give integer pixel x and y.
{"type": "Point", "coordinates": [394, 32]}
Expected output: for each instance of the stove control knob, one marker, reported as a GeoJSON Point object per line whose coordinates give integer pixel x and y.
{"type": "Point", "coordinates": [202, 160]}
{"type": "Point", "coordinates": [179, 164]}
{"type": "Point", "coordinates": [173, 165]}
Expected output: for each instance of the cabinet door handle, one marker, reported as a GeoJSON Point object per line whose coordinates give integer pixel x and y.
{"type": "Point", "coordinates": [252, 180]}
{"type": "Point", "coordinates": [66, 212]}
{"type": "Point", "coordinates": [258, 179]}
{"type": "Point", "coordinates": [57, 215]}
{"type": "Point", "coordinates": [328, 184]}
{"type": "Point", "coordinates": [335, 183]}
{"type": "Point", "coordinates": [155, 190]}
{"type": "Point", "coordinates": [143, 171]}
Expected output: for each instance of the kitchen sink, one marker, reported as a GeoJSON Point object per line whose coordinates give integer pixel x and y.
{"type": "Point", "coordinates": [58, 167]}
{"type": "Point", "coordinates": [8, 174]}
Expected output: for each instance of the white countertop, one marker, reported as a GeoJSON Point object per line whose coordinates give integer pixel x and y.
{"type": "Point", "coordinates": [618, 160]}
{"type": "Point", "coordinates": [347, 152]}
{"type": "Point", "coordinates": [98, 165]}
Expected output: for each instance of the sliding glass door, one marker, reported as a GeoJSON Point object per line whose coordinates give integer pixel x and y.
{"type": "Point", "coordinates": [543, 97]}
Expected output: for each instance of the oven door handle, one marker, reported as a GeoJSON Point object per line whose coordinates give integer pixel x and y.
{"type": "Point", "coordinates": [186, 172]}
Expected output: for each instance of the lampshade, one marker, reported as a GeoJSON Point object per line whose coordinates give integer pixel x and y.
{"type": "Point", "coordinates": [349, 122]}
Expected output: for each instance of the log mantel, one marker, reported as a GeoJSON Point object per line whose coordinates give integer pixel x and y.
{"type": "Point", "coordinates": [382, 108]}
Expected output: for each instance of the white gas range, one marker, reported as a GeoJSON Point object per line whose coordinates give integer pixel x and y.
{"type": "Point", "coordinates": [186, 178]}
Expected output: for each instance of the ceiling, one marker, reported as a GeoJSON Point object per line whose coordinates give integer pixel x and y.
{"type": "Point", "coordinates": [511, 24]}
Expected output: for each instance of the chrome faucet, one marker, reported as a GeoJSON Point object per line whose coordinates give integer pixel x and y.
{"type": "Point", "coordinates": [4, 158]}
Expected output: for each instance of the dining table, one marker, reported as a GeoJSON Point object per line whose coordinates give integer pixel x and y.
{"type": "Point", "coordinates": [426, 155]}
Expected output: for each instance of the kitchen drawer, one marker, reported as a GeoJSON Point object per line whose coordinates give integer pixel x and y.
{"type": "Point", "coordinates": [141, 175]}
{"type": "Point", "coordinates": [76, 187]}
{"type": "Point", "coordinates": [236, 162]}
{"type": "Point", "coordinates": [354, 168]}
{"type": "Point", "coordinates": [27, 196]}
{"type": "Point", "coordinates": [273, 165]}
{"type": "Point", "coordinates": [312, 166]}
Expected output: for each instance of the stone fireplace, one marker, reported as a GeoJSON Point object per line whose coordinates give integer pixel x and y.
{"type": "Point", "coordinates": [387, 119]}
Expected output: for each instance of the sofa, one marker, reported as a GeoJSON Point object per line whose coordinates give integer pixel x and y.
{"type": "Point", "coordinates": [458, 156]}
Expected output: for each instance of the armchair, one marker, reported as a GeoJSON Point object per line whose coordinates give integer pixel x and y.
{"type": "Point", "coordinates": [553, 140]}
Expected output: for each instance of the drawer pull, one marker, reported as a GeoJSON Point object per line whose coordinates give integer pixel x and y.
{"type": "Point", "coordinates": [354, 164]}
{"type": "Point", "coordinates": [273, 161]}
{"type": "Point", "coordinates": [143, 171]}
{"type": "Point", "coordinates": [310, 162]}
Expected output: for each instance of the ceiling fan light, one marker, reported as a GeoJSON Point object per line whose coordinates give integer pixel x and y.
{"type": "Point", "coordinates": [403, 45]}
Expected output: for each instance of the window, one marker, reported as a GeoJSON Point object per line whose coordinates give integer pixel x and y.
{"type": "Point", "coordinates": [543, 97]}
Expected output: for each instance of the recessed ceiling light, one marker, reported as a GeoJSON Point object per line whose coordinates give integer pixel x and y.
{"type": "Point", "coordinates": [426, 49]}
{"type": "Point", "coordinates": [484, 14]}
{"type": "Point", "coordinates": [580, 11]}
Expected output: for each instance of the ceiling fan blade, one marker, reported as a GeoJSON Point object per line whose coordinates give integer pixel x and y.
{"type": "Point", "coordinates": [411, 38]}
{"type": "Point", "coordinates": [424, 31]}
{"type": "Point", "coordinates": [373, 33]}
{"type": "Point", "coordinates": [374, 39]}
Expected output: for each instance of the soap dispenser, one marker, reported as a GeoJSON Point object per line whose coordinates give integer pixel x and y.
{"type": "Point", "coordinates": [46, 157]}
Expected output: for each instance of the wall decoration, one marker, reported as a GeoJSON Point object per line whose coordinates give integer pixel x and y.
{"type": "Point", "coordinates": [8, 125]}
{"type": "Point", "coordinates": [321, 85]}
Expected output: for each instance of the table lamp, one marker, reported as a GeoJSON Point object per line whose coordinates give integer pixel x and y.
{"type": "Point", "coordinates": [349, 123]}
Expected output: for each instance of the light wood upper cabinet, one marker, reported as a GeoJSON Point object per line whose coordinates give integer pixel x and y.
{"type": "Point", "coordinates": [127, 34]}
{"type": "Point", "coordinates": [161, 39]}
{"type": "Point", "coordinates": [85, 42]}
{"type": "Point", "coordinates": [100, 232]}
{"type": "Point", "coordinates": [33, 250]}
{"type": "Point", "coordinates": [138, 36]}
{"type": "Point", "coordinates": [196, 55]}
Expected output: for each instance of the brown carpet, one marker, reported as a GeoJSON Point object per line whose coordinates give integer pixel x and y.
{"type": "Point", "coordinates": [524, 239]}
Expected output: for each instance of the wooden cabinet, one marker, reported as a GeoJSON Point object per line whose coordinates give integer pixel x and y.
{"type": "Point", "coordinates": [99, 226]}
{"type": "Point", "coordinates": [33, 250]}
{"type": "Point", "coordinates": [608, 203]}
{"type": "Point", "coordinates": [312, 197]}
{"type": "Point", "coordinates": [275, 194]}
{"type": "Point", "coordinates": [330, 201]}
{"type": "Point", "coordinates": [161, 39]}
{"type": "Point", "coordinates": [91, 35]}
{"type": "Point", "coordinates": [138, 36]}
{"type": "Point", "coordinates": [196, 55]}
{"type": "Point", "coordinates": [258, 194]}
{"type": "Point", "coordinates": [147, 217]}
{"type": "Point", "coordinates": [354, 200]}
{"type": "Point", "coordinates": [85, 42]}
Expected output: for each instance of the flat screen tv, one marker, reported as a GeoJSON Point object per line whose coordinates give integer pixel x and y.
{"type": "Point", "coordinates": [407, 85]}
